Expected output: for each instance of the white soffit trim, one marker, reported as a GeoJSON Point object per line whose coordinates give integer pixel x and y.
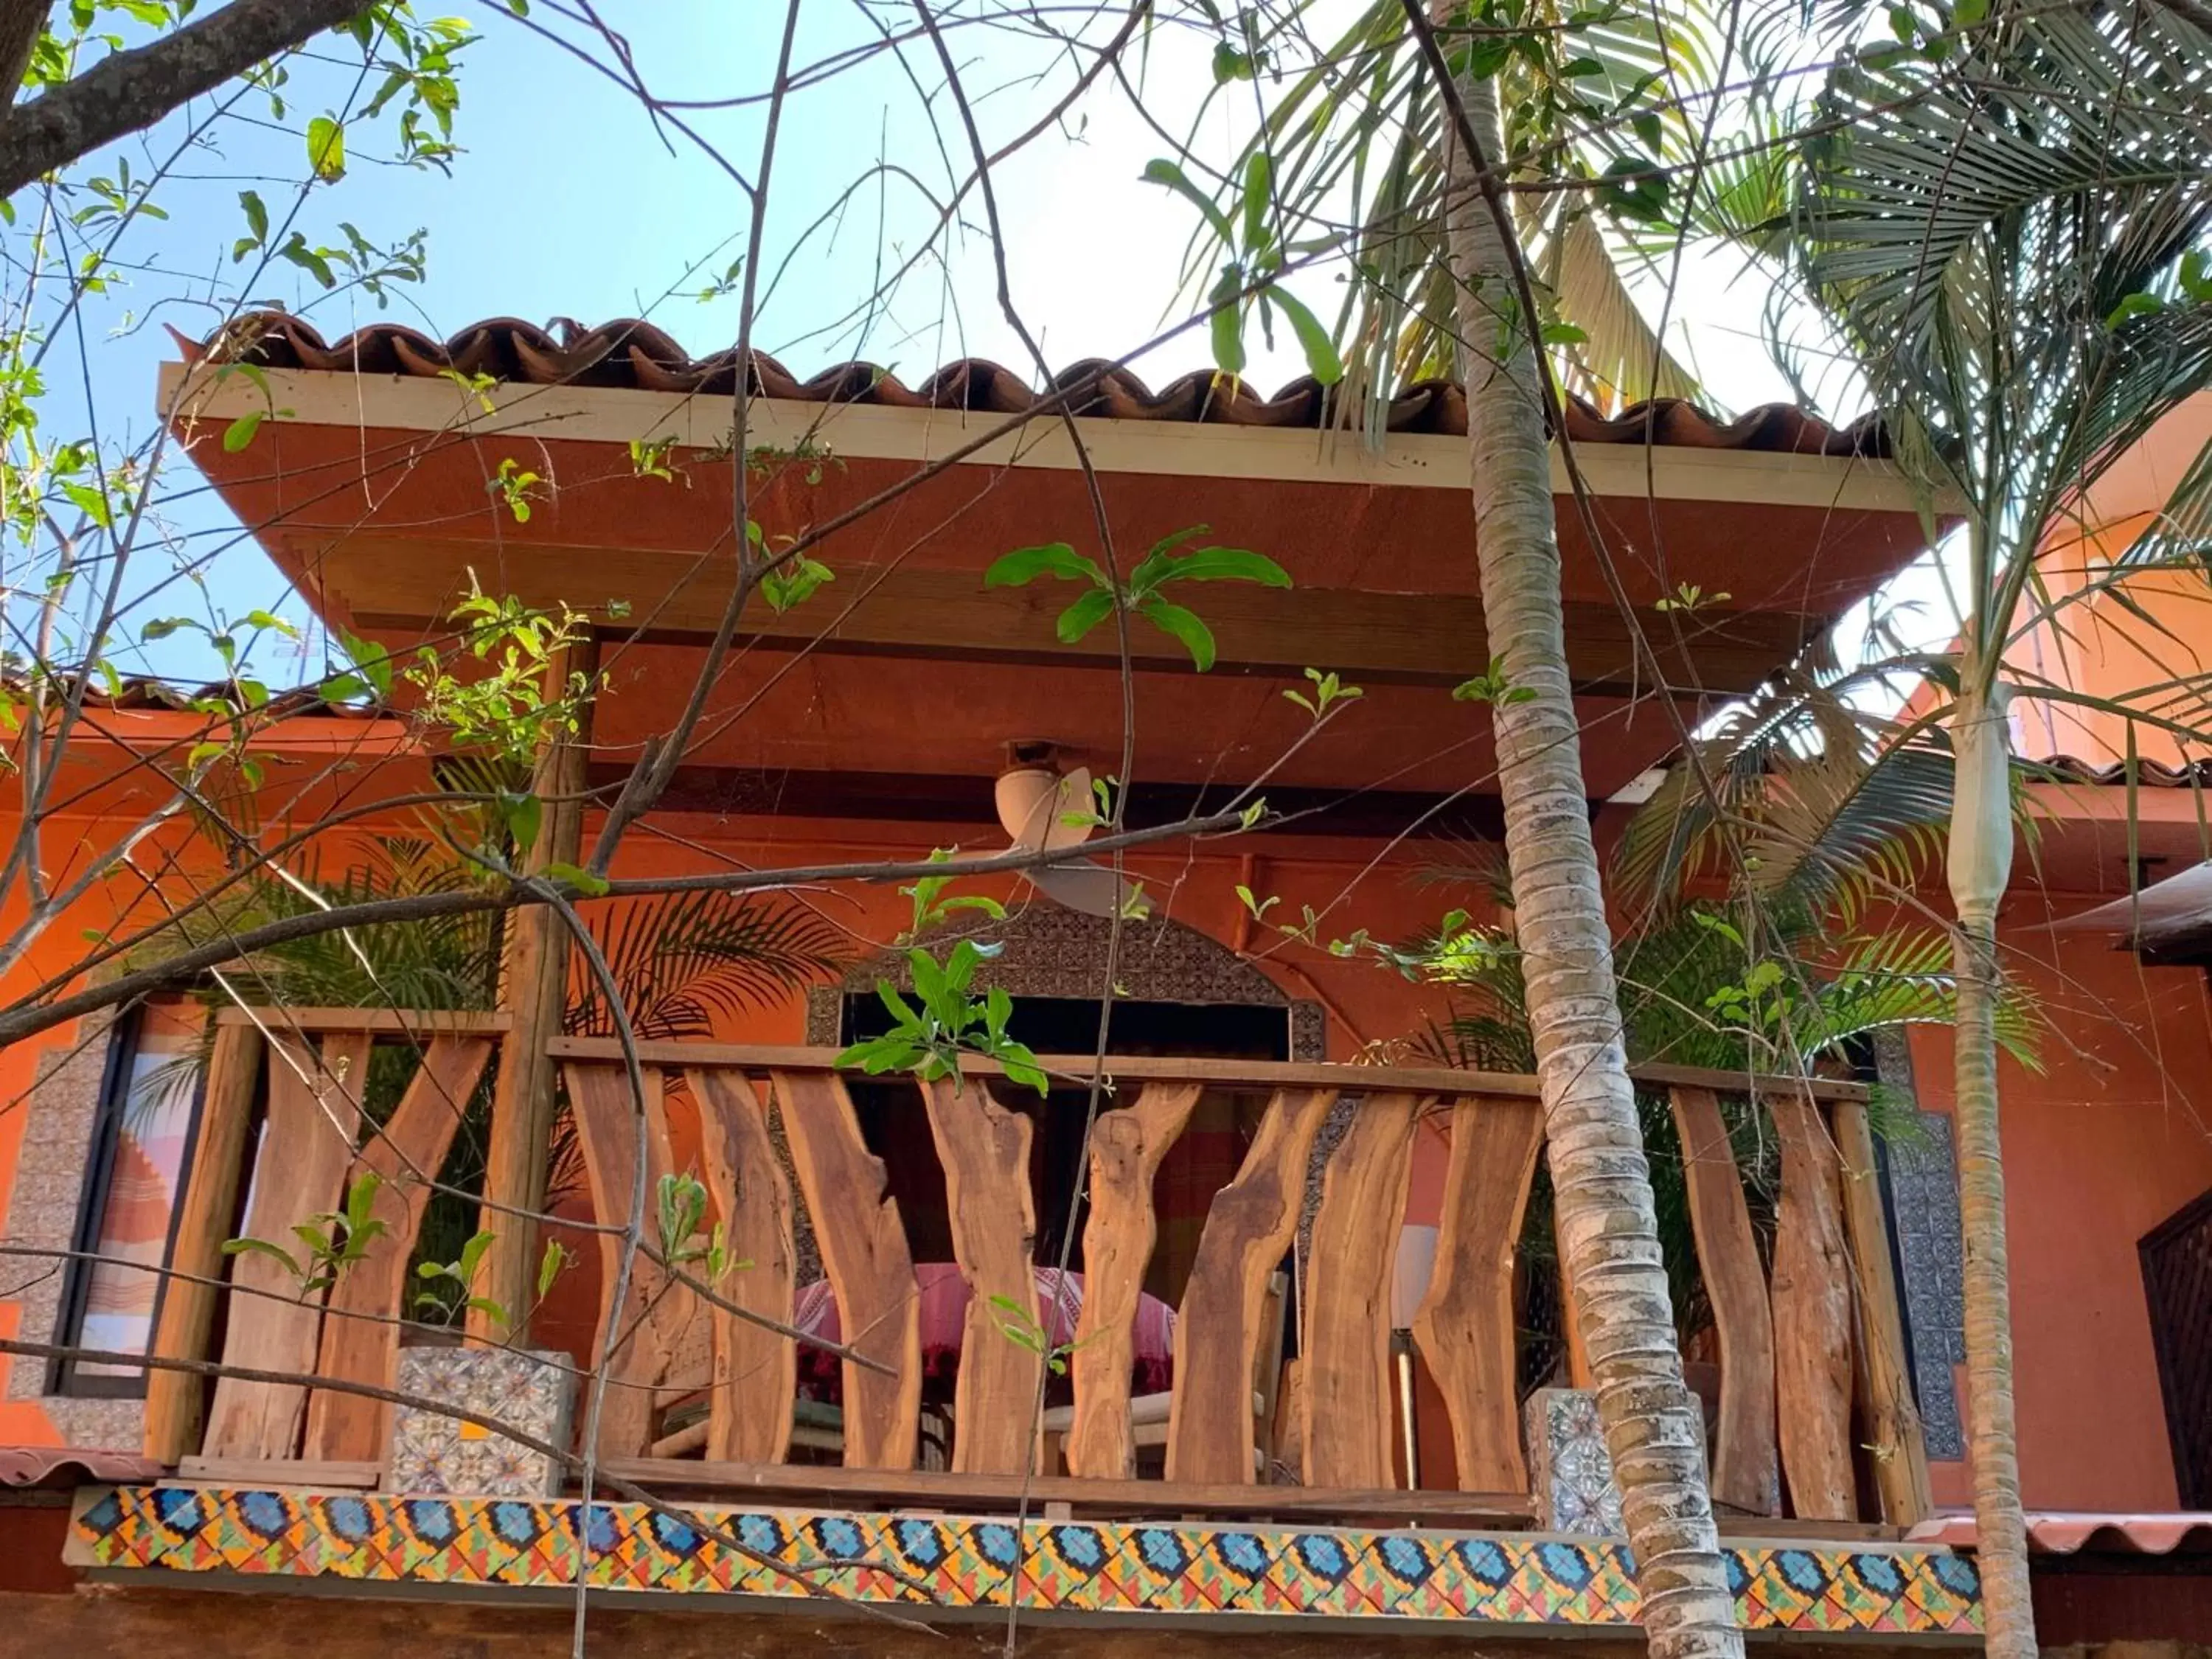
{"type": "Point", "coordinates": [870, 431]}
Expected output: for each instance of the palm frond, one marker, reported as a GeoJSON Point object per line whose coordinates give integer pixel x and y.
{"type": "Point", "coordinates": [687, 961]}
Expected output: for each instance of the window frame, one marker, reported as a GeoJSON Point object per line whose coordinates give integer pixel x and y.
{"type": "Point", "coordinates": [64, 1376]}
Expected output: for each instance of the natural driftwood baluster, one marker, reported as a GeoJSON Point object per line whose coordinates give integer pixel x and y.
{"type": "Point", "coordinates": [1347, 1323]}
{"type": "Point", "coordinates": [755, 1371]}
{"type": "Point", "coordinates": [870, 1270]}
{"type": "Point", "coordinates": [1745, 1455]}
{"type": "Point", "coordinates": [655, 1312]}
{"type": "Point", "coordinates": [1893, 1425]}
{"type": "Point", "coordinates": [985, 1151]}
{"type": "Point", "coordinates": [1812, 1317]}
{"type": "Point", "coordinates": [360, 1343]}
{"type": "Point", "coordinates": [1210, 1430]}
{"type": "Point", "coordinates": [1465, 1324]}
{"type": "Point", "coordinates": [175, 1400]}
{"type": "Point", "coordinates": [1126, 1147]}
{"type": "Point", "coordinates": [314, 1109]}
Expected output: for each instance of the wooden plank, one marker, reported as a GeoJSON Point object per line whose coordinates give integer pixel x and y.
{"type": "Point", "coordinates": [657, 1309]}
{"type": "Point", "coordinates": [361, 1342]}
{"type": "Point", "coordinates": [1465, 1326]}
{"type": "Point", "coordinates": [176, 1401]}
{"type": "Point", "coordinates": [942, 1489]}
{"type": "Point", "coordinates": [533, 990]}
{"type": "Point", "coordinates": [1812, 1317]}
{"type": "Point", "coordinates": [1127, 1148]}
{"type": "Point", "coordinates": [755, 1371]}
{"type": "Point", "coordinates": [1076, 1069]}
{"type": "Point", "coordinates": [385, 1022]}
{"type": "Point", "coordinates": [985, 1152]}
{"type": "Point", "coordinates": [1217, 1340]}
{"type": "Point", "coordinates": [1347, 1350]}
{"type": "Point", "coordinates": [1893, 1416]}
{"type": "Point", "coordinates": [917, 611]}
{"type": "Point", "coordinates": [263, 1473]}
{"type": "Point", "coordinates": [870, 1269]}
{"type": "Point", "coordinates": [1746, 1458]}
{"type": "Point", "coordinates": [314, 1111]}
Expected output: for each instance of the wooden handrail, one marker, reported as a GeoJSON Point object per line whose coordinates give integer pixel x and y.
{"type": "Point", "coordinates": [397, 1022]}
{"type": "Point", "coordinates": [1227, 1074]}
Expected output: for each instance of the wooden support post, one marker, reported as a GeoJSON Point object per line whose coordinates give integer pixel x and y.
{"type": "Point", "coordinates": [1745, 1460]}
{"type": "Point", "coordinates": [314, 1116]}
{"type": "Point", "coordinates": [985, 1152]}
{"type": "Point", "coordinates": [1465, 1327]}
{"type": "Point", "coordinates": [176, 1401]}
{"type": "Point", "coordinates": [1812, 1316]}
{"type": "Point", "coordinates": [1346, 1381]}
{"type": "Point", "coordinates": [1893, 1415]}
{"type": "Point", "coordinates": [360, 1343]}
{"type": "Point", "coordinates": [866, 1261]}
{"type": "Point", "coordinates": [1580, 1372]}
{"type": "Point", "coordinates": [1127, 1148]}
{"type": "Point", "coordinates": [756, 1369]}
{"type": "Point", "coordinates": [534, 989]}
{"type": "Point", "coordinates": [1211, 1433]}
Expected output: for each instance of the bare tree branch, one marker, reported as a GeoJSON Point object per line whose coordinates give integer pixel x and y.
{"type": "Point", "coordinates": [131, 90]}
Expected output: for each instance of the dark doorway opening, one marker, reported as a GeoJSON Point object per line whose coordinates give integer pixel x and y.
{"type": "Point", "coordinates": [897, 1129]}
{"type": "Point", "coordinates": [2177, 1265]}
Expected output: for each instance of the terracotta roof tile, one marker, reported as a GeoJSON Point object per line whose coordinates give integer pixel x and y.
{"type": "Point", "coordinates": [2069, 1535]}
{"type": "Point", "coordinates": [638, 355]}
{"type": "Point", "coordinates": [70, 1465]}
{"type": "Point", "coordinates": [2149, 774]}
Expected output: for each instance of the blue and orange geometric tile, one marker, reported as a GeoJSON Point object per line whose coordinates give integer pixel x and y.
{"type": "Point", "coordinates": [1439, 1579]}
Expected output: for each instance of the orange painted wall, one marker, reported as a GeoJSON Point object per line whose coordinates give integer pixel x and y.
{"type": "Point", "coordinates": [2113, 1136]}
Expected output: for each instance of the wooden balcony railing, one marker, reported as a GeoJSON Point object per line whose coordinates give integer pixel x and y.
{"type": "Point", "coordinates": [1811, 1363]}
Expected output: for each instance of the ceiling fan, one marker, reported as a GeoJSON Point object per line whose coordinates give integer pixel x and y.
{"type": "Point", "coordinates": [1043, 808]}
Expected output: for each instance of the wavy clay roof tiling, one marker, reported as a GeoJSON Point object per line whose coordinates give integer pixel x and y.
{"type": "Point", "coordinates": [636, 355]}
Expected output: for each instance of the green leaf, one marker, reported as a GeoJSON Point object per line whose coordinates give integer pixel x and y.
{"type": "Point", "coordinates": [1225, 564]}
{"type": "Point", "coordinates": [581, 880]}
{"type": "Point", "coordinates": [239, 433]}
{"type": "Point", "coordinates": [263, 1246]}
{"type": "Point", "coordinates": [163, 627]}
{"type": "Point", "coordinates": [1086, 614]}
{"type": "Point", "coordinates": [1184, 625]}
{"type": "Point", "coordinates": [342, 687]}
{"type": "Point", "coordinates": [372, 658]}
{"type": "Point", "coordinates": [548, 1267]}
{"type": "Point", "coordinates": [1162, 172]}
{"type": "Point", "coordinates": [1025, 564]}
{"type": "Point", "coordinates": [2135, 305]}
{"type": "Point", "coordinates": [326, 147]}
{"type": "Point", "coordinates": [256, 215]}
{"type": "Point", "coordinates": [523, 814]}
{"type": "Point", "coordinates": [1965, 14]}
{"type": "Point", "coordinates": [1257, 174]}
{"type": "Point", "coordinates": [1226, 325]}
{"type": "Point", "coordinates": [1321, 360]}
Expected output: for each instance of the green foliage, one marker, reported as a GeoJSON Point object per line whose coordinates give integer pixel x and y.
{"type": "Point", "coordinates": [1163, 566]}
{"type": "Point", "coordinates": [1251, 277]}
{"type": "Point", "coordinates": [329, 1242]}
{"type": "Point", "coordinates": [928, 1033]}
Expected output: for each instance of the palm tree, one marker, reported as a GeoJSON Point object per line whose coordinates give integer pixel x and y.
{"type": "Point", "coordinates": [2009, 233]}
{"type": "Point", "coordinates": [1407, 131]}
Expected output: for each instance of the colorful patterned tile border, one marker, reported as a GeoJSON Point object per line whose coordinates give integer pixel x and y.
{"type": "Point", "coordinates": [1436, 1578]}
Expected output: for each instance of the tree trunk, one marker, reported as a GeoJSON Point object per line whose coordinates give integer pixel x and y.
{"type": "Point", "coordinates": [1980, 864]}
{"type": "Point", "coordinates": [1652, 1427]}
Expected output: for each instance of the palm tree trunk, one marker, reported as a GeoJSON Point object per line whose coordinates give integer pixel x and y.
{"type": "Point", "coordinates": [1980, 865]}
{"type": "Point", "coordinates": [1608, 1231]}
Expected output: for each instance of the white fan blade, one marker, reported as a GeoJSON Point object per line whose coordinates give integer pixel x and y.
{"type": "Point", "coordinates": [1092, 889]}
{"type": "Point", "coordinates": [1035, 803]}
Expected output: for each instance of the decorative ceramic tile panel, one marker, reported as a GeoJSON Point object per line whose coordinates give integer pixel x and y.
{"type": "Point", "coordinates": [435, 1452]}
{"type": "Point", "coordinates": [1921, 1170]}
{"type": "Point", "coordinates": [1569, 1468]}
{"type": "Point", "coordinates": [1442, 1579]}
